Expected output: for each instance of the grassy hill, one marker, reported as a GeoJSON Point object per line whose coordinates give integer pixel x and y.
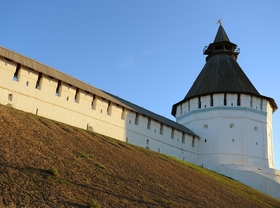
{"type": "Point", "coordinates": [44, 163]}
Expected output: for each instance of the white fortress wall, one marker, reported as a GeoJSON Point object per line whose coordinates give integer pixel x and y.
{"type": "Point", "coordinates": [266, 180]}
{"type": "Point", "coordinates": [37, 93]}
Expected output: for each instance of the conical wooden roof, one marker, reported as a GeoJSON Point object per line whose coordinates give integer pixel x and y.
{"type": "Point", "coordinates": [221, 73]}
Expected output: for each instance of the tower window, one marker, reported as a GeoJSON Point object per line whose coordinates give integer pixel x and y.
{"type": "Point", "coordinates": [261, 105]}
{"type": "Point", "coordinates": [238, 100]}
{"type": "Point", "coordinates": [172, 133]}
{"type": "Point", "coordinates": [231, 125]}
{"type": "Point", "coordinates": [225, 99]}
{"type": "Point", "coordinates": [251, 102]}
{"type": "Point", "coordinates": [256, 128]}
{"type": "Point", "coordinates": [199, 102]}
{"type": "Point", "coordinates": [211, 100]}
{"type": "Point", "coordinates": [189, 106]}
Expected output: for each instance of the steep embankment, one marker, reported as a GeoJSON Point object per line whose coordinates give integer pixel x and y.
{"type": "Point", "coordinates": [44, 163]}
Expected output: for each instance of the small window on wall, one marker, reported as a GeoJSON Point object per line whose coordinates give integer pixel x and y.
{"type": "Point", "coordinates": [205, 126]}
{"type": "Point", "coordinates": [10, 97]}
{"type": "Point", "coordinates": [231, 125]}
{"type": "Point", "coordinates": [211, 100]}
{"type": "Point", "coordinates": [26, 84]}
{"type": "Point", "coordinates": [261, 105]}
{"type": "Point", "coordinates": [181, 109]}
{"type": "Point", "coordinates": [16, 78]}
{"type": "Point", "coordinates": [251, 102]}
{"type": "Point", "coordinates": [189, 106]}
{"type": "Point", "coordinates": [39, 80]}
{"type": "Point", "coordinates": [77, 96]}
{"type": "Point", "coordinates": [172, 133]}
{"type": "Point", "coordinates": [238, 100]}
{"type": "Point", "coordinates": [256, 128]}
{"type": "Point", "coordinates": [58, 88]}
{"type": "Point", "coordinates": [123, 113]}
{"type": "Point", "coordinates": [199, 102]}
{"type": "Point", "coordinates": [161, 129]}
{"type": "Point", "coordinates": [136, 122]}
{"type": "Point", "coordinates": [93, 103]}
{"type": "Point", "coordinates": [183, 138]}
{"type": "Point", "coordinates": [149, 124]}
{"type": "Point", "coordinates": [109, 109]}
{"type": "Point", "coordinates": [225, 99]}
{"type": "Point", "coordinates": [193, 141]}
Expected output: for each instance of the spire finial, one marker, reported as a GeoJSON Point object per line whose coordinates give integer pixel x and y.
{"type": "Point", "coordinates": [220, 21]}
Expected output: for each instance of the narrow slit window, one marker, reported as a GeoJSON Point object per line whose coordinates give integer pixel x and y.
{"type": "Point", "coordinates": [199, 102]}
{"type": "Point", "coordinates": [193, 142]}
{"type": "Point", "coordinates": [172, 133]}
{"type": "Point", "coordinates": [136, 119]}
{"type": "Point", "coordinates": [161, 129]}
{"type": "Point", "coordinates": [238, 100]}
{"type": "Point", "coordinates": [149, 124]}
{"type": "Point", "coordinates": [16, 74]}
{"type": "Point", "coordinates": [181, 109]}
{"type": "Point", "coordinates": [109, 108]}
{"type": "Point", "coordinates": [93, 103]}
{"type": "Point", "coordinates": [58, 89]}
{"type": "Point", "coordinates": [251, 102]}
{"type": "Point", "coordinates": [261, 105]}
{"type": "Point", "coordinates": [123, 113]}
{"type": "Point", "coordinates": [77, 96]}
{"type": "Point", "coordinates": [225, 99]}
{"type": "Point", "coordinates": [189, 106]}
{"type": "Point", "coordinates": [183, 138]}
{"type": "Point", "coordinates": [38, 83]}
{"type": "Point", "coordinates": [211, 100]}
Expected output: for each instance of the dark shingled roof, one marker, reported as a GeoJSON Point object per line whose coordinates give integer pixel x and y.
{"type": "Point", "coordinates": [221, 35]}
{"type": "Point", "coordinates": [221, 73]}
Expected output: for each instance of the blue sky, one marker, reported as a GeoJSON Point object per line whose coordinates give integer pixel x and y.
{"type": "Point", "coordinates": [148, 52]}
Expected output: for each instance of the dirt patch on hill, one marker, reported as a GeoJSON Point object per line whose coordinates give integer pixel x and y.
{"type": "Point", "coordinates": [44, 163]}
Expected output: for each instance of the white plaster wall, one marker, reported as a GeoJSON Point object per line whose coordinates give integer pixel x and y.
{"type": "Point", "coordinates": [103, 117]}
{"type": "Point", "coordinates": [231, 134]}
{"type": "Point", "coordinates": [265, 180]}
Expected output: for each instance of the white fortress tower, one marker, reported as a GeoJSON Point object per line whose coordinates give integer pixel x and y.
{"type": "Point", "coordinates": [232, 119]}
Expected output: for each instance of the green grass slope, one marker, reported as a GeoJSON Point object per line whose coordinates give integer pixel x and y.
{"type": "Point", "coordinates": [44, 163]}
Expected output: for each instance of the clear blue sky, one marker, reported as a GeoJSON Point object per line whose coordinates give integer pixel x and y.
{"type": "Point", "coordinates": [148, 52]}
